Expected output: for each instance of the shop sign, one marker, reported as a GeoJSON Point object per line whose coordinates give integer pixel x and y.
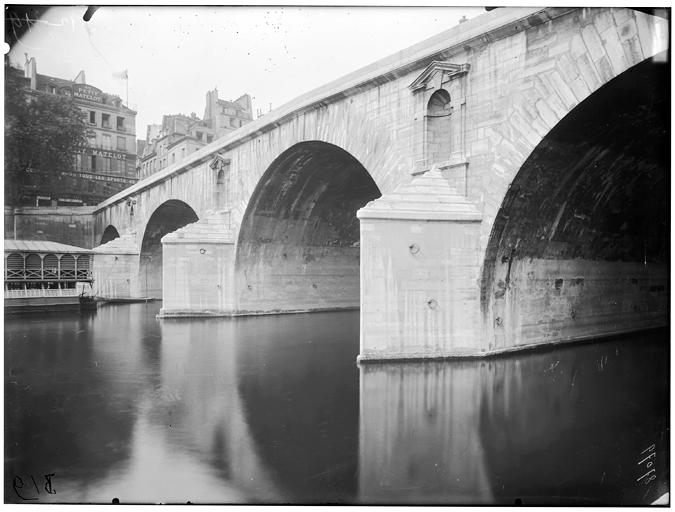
{"type": "Point", "coordinates": [104, 153]}
{"type": "Point", "coordinates": [87, 92]}
{"type": "Point", "coordinates": [99, 177]}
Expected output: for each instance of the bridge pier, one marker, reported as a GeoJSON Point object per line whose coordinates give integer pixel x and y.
{"type": "Point", "coordinates": [198, 268]}
{"type": "Point", "coordinates": [420, 268]}
{"type": "Point", "coordinates": [116, 267]}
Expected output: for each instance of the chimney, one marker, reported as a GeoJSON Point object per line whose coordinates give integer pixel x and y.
{"type": "Point", "coordinates": [80, 79]}
{"type": "Point", "coordinates": [245, 102]}
{"type": "Point", "coordinates": [211, 101]}
{"type": "Point", "coordinates": [30, 71]}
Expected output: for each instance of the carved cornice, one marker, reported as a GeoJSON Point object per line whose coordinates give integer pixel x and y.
{"type": "Point", "coordinates": [451, 70]}
{"type": "Point", "coordinates": [219, 162]}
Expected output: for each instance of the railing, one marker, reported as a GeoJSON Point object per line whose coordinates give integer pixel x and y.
{"type": "Point", "coordinates": [18, 294]}
{"type": "Point", "coordinates": [67, 274]}
{"type": "Point", "coordinates": [36, 275]}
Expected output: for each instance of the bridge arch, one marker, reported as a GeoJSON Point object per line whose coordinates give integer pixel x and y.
{"type": "Point", "coordinates": [298, 243]}
{"type": "Point", "coordinates": [582, 233]}
{"type": "Point", "coordinates": [109, 233]}
{"type": "Point", "coordinates": [166, 218]}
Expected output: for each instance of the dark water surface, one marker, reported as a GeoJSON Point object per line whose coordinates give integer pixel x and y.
{"type": "Point", "coordinates": [117, 404]}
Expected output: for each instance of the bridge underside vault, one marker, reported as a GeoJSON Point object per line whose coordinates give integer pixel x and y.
{"type": "Point", "coordinates": [169, 217]}
{"type": "Point", "coordinates": [580, 246]}
{"type": "Point", "coordinates": [299, 241]}
{"type": "Point", "coordinates": [109, 234]}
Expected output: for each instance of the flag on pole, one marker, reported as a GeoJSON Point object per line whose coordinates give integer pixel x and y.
{"type": "Point", "coordinates": [123, 75]}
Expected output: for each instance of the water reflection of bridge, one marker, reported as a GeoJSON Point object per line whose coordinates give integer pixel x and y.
{"type": "Point", "coordinates": [192, 413]}
{"type": "Point", "coordinates": [563, 427]}
{"type": "Point", "coordinates": [269, 409]}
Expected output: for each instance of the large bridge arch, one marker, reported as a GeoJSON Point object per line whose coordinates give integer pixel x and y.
{"type": "Point", "coordinates": [541, 75]}
{"type": "Point", "coordinates": [580, 244]}
{"type": "Point", "coordinates": [298, 243]}
{"type": "Point", "coordinates": [166, 218]}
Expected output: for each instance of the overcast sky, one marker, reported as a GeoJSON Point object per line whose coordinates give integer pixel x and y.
{"type": "Point", "coordinates": [175, 54]}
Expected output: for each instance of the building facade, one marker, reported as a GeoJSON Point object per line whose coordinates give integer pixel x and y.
{"type": "Point", "coordinates": [179, 135]}
{"type": "Point", "coordinates": [107, 164]}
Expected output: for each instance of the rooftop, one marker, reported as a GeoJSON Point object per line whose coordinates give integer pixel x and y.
{"type": "Point", "coordinates": [42, 246]}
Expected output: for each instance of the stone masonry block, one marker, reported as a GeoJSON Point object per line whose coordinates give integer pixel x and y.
{"type": "Point", "coordinates": [614, 51]}
{"type": "Point", "coordinates": [632, 50]}
{"type": "Point", "coordinates": [593, 42]}
{"type": "Point", "coordinates": [567, 67]}
{"type": "Point", "coordinates": [537, 69]}
{"type": "Point", "coordinates": [524, 129]}
{"type": "Point", "coordinates": [588, 72]}
{"type": "Point", "coordinates": [645, 33]}
{"type": "Point", "coordinates": [547, 114]}
{"type": "Point", "coordinates": [603, 20]}
{"type": "Point", "coordinates": [620, 14]}
{"type": "Point", "coordinates": [560, 48]}
{"type": "Point", "coordinates": [577, 46]}
{"type": "Point", "coordinates": [604, 69]}
{"type": "Point", "coordinates": [580, 89]}
{"type": "Point", "coordinates": [562, 89]}
{"type": "Point", "coordinates": [628, 29]}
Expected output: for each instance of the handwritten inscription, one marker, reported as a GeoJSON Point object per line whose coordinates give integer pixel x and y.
{"type": "Point", "coordinates": [648, 457]}
{"type": "Point", "coordinates": [28, 490]}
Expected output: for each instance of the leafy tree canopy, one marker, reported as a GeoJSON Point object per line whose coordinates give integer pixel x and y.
{"type": "Point", "coordinates": [43, 132]}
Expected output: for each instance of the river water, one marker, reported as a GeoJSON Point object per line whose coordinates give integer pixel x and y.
{"type": "Point", "coordinates": [117, 404]}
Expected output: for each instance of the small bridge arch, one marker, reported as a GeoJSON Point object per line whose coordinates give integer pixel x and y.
{"type": "Point", "coordinates": [166, 218]}
{"type": "Point", "coordinates": [110, 233]}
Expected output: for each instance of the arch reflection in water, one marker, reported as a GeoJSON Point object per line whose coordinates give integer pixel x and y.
{"type": "Point", "coordinates": [190, 427]}
{"type": "Point", "coordinates": [568, 426]}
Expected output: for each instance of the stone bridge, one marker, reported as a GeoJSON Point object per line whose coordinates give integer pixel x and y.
{"type": "Point", "coordinates": [500, 185]}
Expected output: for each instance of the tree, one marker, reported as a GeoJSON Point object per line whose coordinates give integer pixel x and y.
{"type": "Point", "coordinates": [43, 133]}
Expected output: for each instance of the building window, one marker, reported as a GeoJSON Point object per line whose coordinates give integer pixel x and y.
{"type": "Point", "coordinates": [92, 117]}
{"type": "Point", "coordinates": [122, 143]}
{"type": "Point", "coordinates": [106, 141]}
{"type": "Point", "coordinates": [78, 162]}
{"type": "Point", "coordinates": [200, 135]}
{"type": "Point", "coordinates": [52, 89]}
{"type": "Point", "coordinates": [105, 164]}
{"type": "Point", "coordinates": [120, 124]}
{"type": "Point", "coordinates": [93, 163]}
{"type": "Point", "coordinates": [182, 153]}
{"type": "Point", "coordinates": [105, 120]}
{"type": "Point", "coordinates": [173, 158]}
{"type": "Point", "coordinates": [439, 123]}
{"type": "Point", "coordinates": [118, 166]}
{"type": "Point", "coordinates": [233, 122]}
{"type": "Point", "coordinates": [209, 138]}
